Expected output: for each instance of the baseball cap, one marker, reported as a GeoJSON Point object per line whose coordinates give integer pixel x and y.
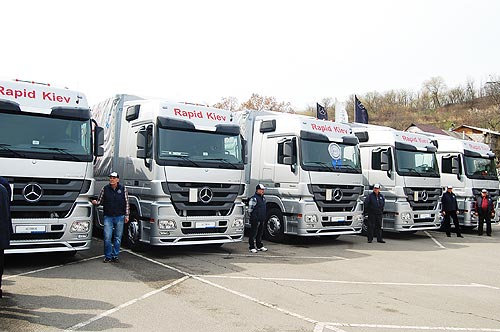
{"type": "Point", "coordinates": [260, 186]}
{"type": "Point", "coordinates": [484, 191]}
{"type": "Point", "coordinates": [113, 174]}
{"type": "Point", "coordinates": [376, 185]}
{"type": "Point", "coordinates": [449, 187]}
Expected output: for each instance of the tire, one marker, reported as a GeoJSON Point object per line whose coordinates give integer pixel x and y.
{"type": "Point", "coordinates": [133, 233]}
{"type": "Point", "coordinates": [274, 227]}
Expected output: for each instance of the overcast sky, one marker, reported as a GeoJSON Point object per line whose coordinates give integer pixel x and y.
{"type": "Point", "coordinates": [203, 50]}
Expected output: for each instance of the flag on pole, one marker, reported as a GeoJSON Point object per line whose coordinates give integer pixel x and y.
{"type": "Point", "coordinates": [321, 112]}
{"type": "Point", "coordinates": [360, 111]}
{"type": "Point", "coordinates": [340, 112]}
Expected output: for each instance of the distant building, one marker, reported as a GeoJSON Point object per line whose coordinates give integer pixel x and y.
{"type": "Point", "coordinates": [418, 128]}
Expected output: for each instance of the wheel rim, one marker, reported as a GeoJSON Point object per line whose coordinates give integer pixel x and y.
{"type": "Point", "coordinates": [274, 226]}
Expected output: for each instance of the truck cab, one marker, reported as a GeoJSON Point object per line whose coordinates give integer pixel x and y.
{"type": "Point", "coordinates": [312, 172]}
{"type": "Point", "coordinates": [183, 166]}
{"type": "Point", "coordinates": [469, 167]}
{"type": "Point", "coordinates": [48, 144]}
{"type": "Point", "coordinates": [405, 165]}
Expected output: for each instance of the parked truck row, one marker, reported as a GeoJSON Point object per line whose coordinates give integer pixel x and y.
{"type": "Point", "coordinates": [190, 169]}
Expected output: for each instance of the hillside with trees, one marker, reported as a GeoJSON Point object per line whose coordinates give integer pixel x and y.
{"type": "Point", "coordinates": [435, 103]}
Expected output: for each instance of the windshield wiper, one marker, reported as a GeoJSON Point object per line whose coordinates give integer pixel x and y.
{"type": "Point", "coordinates": [412, 170]}
{"type": "Point", "coordinates": [6, 148]}
{"type": "Point", "coordinates": [185, 158]}
{"type": "Point", "coordinates": [224, 161]}
{"type": "Point", "coordinates": [64, 151]}
{"type": "Point", "coordinates": [322, 163]}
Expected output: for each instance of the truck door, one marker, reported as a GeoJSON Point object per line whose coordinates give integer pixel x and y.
{"type": "Point", "coordinates": [286, 166]}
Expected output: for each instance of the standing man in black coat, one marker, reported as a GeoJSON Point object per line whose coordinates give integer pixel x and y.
{"type": "Point", "coordinates": [449, 209]}
{"type": "Point", "coordinates": [258, 212]}
{"type": "Point", "coordinates": [374, 208]}
{"type": "Point", "coordinates": [484, 211]}
{"type": "Point", "coordinates": [5, 223]}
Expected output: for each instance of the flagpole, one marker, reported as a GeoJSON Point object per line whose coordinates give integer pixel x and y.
{"type": "Point", "coordinates": [354, 109]}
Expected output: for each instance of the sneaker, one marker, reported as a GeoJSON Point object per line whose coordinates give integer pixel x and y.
{"type": "Point", "coordinates": [262, 249]}
{"type": "Point", "coordinates": [253, 250]}
{"type": "Point", "coordinates": [115, 260]}
{"type": "Point", "coordinates": [381, 241]}
{"type": "Point", "coordinates": [106, 260]}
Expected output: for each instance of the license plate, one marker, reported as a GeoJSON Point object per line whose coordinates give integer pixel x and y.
{"type": "Point", "coordinates": [337, 219]}
{"type": "Point", "coordinates": [205, 224]}
{"type": "Point", "coordinates": [30, 229]}
{"type": "Point", "coordinates": [425, 215]}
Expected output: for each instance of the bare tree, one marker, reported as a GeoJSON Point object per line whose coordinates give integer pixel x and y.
{"type": "Point", "coordinates": [435, 87]}
{"type": "Point", "coordinates": [228, 103]}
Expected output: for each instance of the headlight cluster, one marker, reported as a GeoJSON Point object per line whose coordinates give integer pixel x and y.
{"type": "Point", "coordinates": [238, 222]}
{"type": "Point", "coordinates": [310, 219]}
{"type": "Point", "coordinates": [80, 227]}
{"type": "Point", "coordinates": [406, 216]}
{"type": "Point", "coordinates": [166, 224]}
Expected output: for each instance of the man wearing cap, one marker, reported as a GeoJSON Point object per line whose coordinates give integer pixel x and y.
{"type": "Point", "coordinates": [257, 210]}
{"type": "Point", "coordinates": [484, 211]}
{"type": "Point", "coordinates": [449, 209]}
{"type": "Point", "coordinates": [114, 199]}
{"type": "Point", "coordinates": [374, 208]}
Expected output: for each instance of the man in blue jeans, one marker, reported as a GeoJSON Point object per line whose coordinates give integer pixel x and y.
{"type": "Point", "coordinates": [114, 199]}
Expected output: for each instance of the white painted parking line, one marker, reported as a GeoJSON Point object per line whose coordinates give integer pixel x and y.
{"type": "Point", "coordinates": [51, 267]}
{"type": "Point", "coordinates": [434, 239]}
{"type": "Point", "coordinates": [126, 304]}
{"type": "Point", "coordinates": [471, 285]}
{"type": "Point", "coordinates": [405, 328]}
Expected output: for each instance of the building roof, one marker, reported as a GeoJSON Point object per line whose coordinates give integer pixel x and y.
{"type": "Point", "coordinates": [481, 130]}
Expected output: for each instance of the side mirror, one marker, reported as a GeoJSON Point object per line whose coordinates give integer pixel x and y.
{"type": "Point", "coordinates": [142, 148]}
{"type": "Point", "coordinates": [289, 157]}
{"type": "Point", "coordinates": [244, 147]}
{"type": "Point", "coordinates": [455, 166]}
{"type": "Point", "coordinates": [98, 141]}
{"type": "Point", "coordinates": [385, 161]}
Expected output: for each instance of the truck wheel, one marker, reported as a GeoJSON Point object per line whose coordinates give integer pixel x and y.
{"type": "Point", "coordinates": [133, 234]}
{"type": "Point", "coordinates": [274, 228]}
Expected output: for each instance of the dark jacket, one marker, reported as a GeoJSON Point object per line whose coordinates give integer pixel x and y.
{"type": "Point", "coordinates": [449, 202]}
{"type": "Point", "coordinates": [374, 204]}
{"type": "Point", "coordinates": [258, 212]}
{"type": "Point", "coordinates": [5, 219]}
{"type": "Point", "coordinates": [114, 201]}
{"type": "Point", "coordinates": [479, 204]}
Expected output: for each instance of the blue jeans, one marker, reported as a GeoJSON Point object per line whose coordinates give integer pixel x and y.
{"type": "Point", "coordinates": [112, 249]}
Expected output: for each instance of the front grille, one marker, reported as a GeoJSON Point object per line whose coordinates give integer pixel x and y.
{"type": "Point", "coordinates": [336, 223]}
{"type": "Point", "coordinates": [344, 197]}
{"type": "Point", "coordinates": [36, 236]}
{"type": "Point", "coordinates": [189, 231]}
{"type": "Point", "coordinates": [427, 198]}
{"type": "Point", "coordinates": [57, 199]}
{"type": "Point", "coordinates": [221, 203]}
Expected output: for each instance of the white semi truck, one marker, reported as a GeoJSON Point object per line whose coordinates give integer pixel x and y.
{"type": "Point", "coordinates": [312, 172]}
{"type": "Point", "coordinates": [405, 165]}
{"type": "Point", "coordinates": [469, 167]}
{"type": "Point", "coordinates": [47, 144]}
{"type": "Point", "coordinates": [183, 166]}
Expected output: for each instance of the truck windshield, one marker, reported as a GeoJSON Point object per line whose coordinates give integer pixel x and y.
{"type": "Point", "coordinates": [480, 168]}
{"type": "Point", "coordinates": [38, 136]}
{"type": "Point", "coordinates": [199, 149]}
{"type": "Point", "coordinates": [416, 163]}
{"type": "Point", "coordinates": [329, 157]}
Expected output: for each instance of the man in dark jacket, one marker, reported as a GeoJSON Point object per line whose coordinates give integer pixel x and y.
{"type": "Point", "coordinates": [374, 208]}
{"type": "Point", "coordinates": [5, 223]}
{"type": "Point", "coordinates": [257, 210]}
{"type": "Point", "coordinates": [114, 199]}
{"type": "Point", "coordinates": [449, 209]}
{"type": "Point", "coordinates": [484, 211]}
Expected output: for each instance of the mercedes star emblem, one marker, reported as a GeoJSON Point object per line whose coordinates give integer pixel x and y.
{"type": "Point", "coordinates": [206, 195]}
{"type": "Point", "coordinates": [32, 192]}
{"type": "Point", "coordinates": [337, 195]}
{"type": "Point", "coordinates": [425, 196]}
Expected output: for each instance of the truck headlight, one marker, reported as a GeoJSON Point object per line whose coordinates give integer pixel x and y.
{"type": "Point", "coordinates": [310, 218]}
{"type": "Point", "coordinates": [406, 216]}
{"type": "Point", "coordinates": [238, 222]}
{"type": "Point", "coordinates": [166, 224]}
{"type": "Point", "coordinates": [80, 226]}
